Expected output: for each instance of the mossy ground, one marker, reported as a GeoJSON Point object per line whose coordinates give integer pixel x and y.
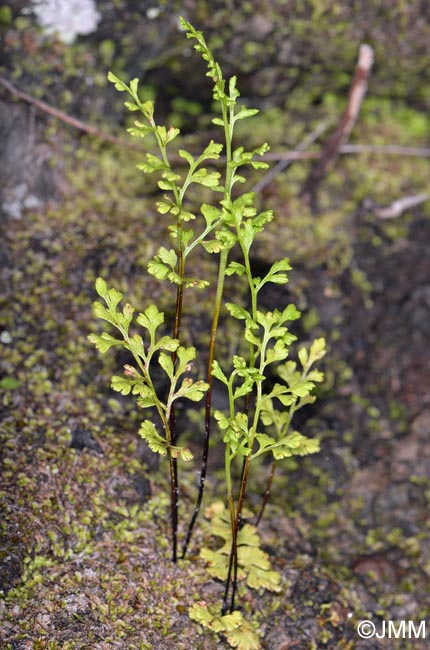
{"type": "Point", "coordinates": [84, 544]}
{"type": "Point", "coordinates": [85, 547]}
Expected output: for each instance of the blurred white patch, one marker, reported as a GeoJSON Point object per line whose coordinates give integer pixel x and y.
{"type": "Point", "coordinates": [153, 12]}
{"type": "Point", "coordinates": [68, 18]}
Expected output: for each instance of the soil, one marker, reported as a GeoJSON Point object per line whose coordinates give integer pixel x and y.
{"type": "Point", "coordinates": [84, 543]}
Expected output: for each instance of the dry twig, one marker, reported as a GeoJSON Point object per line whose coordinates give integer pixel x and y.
{"type": "Point", "coordinates": [284, 159]}
{"type": "Point", "coordinates": [60, 115]}
{"type": "Point", "coordinates": [283, 163]}
{"type": "Point", "coordinates": [342, 132]}
{"type": "Point", "coordinates": [396, 208]}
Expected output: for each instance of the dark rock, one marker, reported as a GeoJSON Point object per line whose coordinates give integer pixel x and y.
{"type": "Point", "coordinates": [27, 179]}
{"type": "Point", "coordinates": [83, 439]}
{"type": "Point", "coordinates": [142, 486]}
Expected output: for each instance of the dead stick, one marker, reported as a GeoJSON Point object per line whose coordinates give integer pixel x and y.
{"type": "Point", "coordinates": [396, 208]}
{"type": "Point", "coordinates": [387, 149]}
{"type": "Point", "coordinates": [343, 130]}
{"type": "Point", "coordinates": [55, 112]}
{"type": "Point", "coordinates": [286, 162]}
{"type": "Point", "coordinates": [286, 156]}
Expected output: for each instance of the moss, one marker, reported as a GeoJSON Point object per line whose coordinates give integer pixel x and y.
{"type": "Point", "coordinates": [81, 526]}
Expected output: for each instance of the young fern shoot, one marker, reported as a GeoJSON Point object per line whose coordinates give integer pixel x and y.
{"type": "Point", "coordinates": [226, 95]}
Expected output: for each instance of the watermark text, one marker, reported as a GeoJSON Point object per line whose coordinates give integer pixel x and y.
{"type": "Point", "coordinates": [392, 630]}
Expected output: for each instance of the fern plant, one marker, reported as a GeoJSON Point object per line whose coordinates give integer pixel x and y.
{"type": "Point", "coordinates": [259, 416]}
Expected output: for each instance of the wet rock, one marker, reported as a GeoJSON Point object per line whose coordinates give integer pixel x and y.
{"type": "Point", "coordinates": [411, 455]}
{"type": "Point", "coordinates": [83, 439]}
{"type": "Point", "coordinates": [27, 179]}
{"type": "Point", "coordinates": [142, 486]}
{"type": "Point", "coordinates": [421, 425]}
{"type": "Point", "coordinates": [399, 505]}
{"type": "Point", "coordinates": [379, 566]}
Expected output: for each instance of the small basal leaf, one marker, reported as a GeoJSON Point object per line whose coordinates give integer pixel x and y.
{"type": "Point", "coordinates": [262, 579]}
{"type": "Point", "coordinates": [217, 563]}
{"type": "Point", "coordinates": [210, 617]}
{"type": "Point", "coordinates": [227, 623]}
{"type": "Point", "coordinates": [244, 637]}
{"type": "Point", "coordinates": [249, 556]}
{"type": "Point", "coordinates": [248, 535]}
{"type": "Point", "coordinates": [200, 614]}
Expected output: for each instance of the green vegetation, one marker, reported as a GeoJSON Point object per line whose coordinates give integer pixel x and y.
{"type": "Point", "coordinates": [84, 554]}
{"type": "Point", "coordinates": [229, 224]}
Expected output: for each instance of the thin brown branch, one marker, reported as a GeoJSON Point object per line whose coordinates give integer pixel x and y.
{"type": "Point", "coordinates": [285, 157]}
{"type": "Point", "coordinates": [397, 208]}
{"type": "Point", "coordinates": [341, 134]}
{"type": "Point", "coordinates": [387, 149]}
{"type": "Point", "coordinates": [60, 115]}
{"type": "Point", "coordinates": [282, 164]}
